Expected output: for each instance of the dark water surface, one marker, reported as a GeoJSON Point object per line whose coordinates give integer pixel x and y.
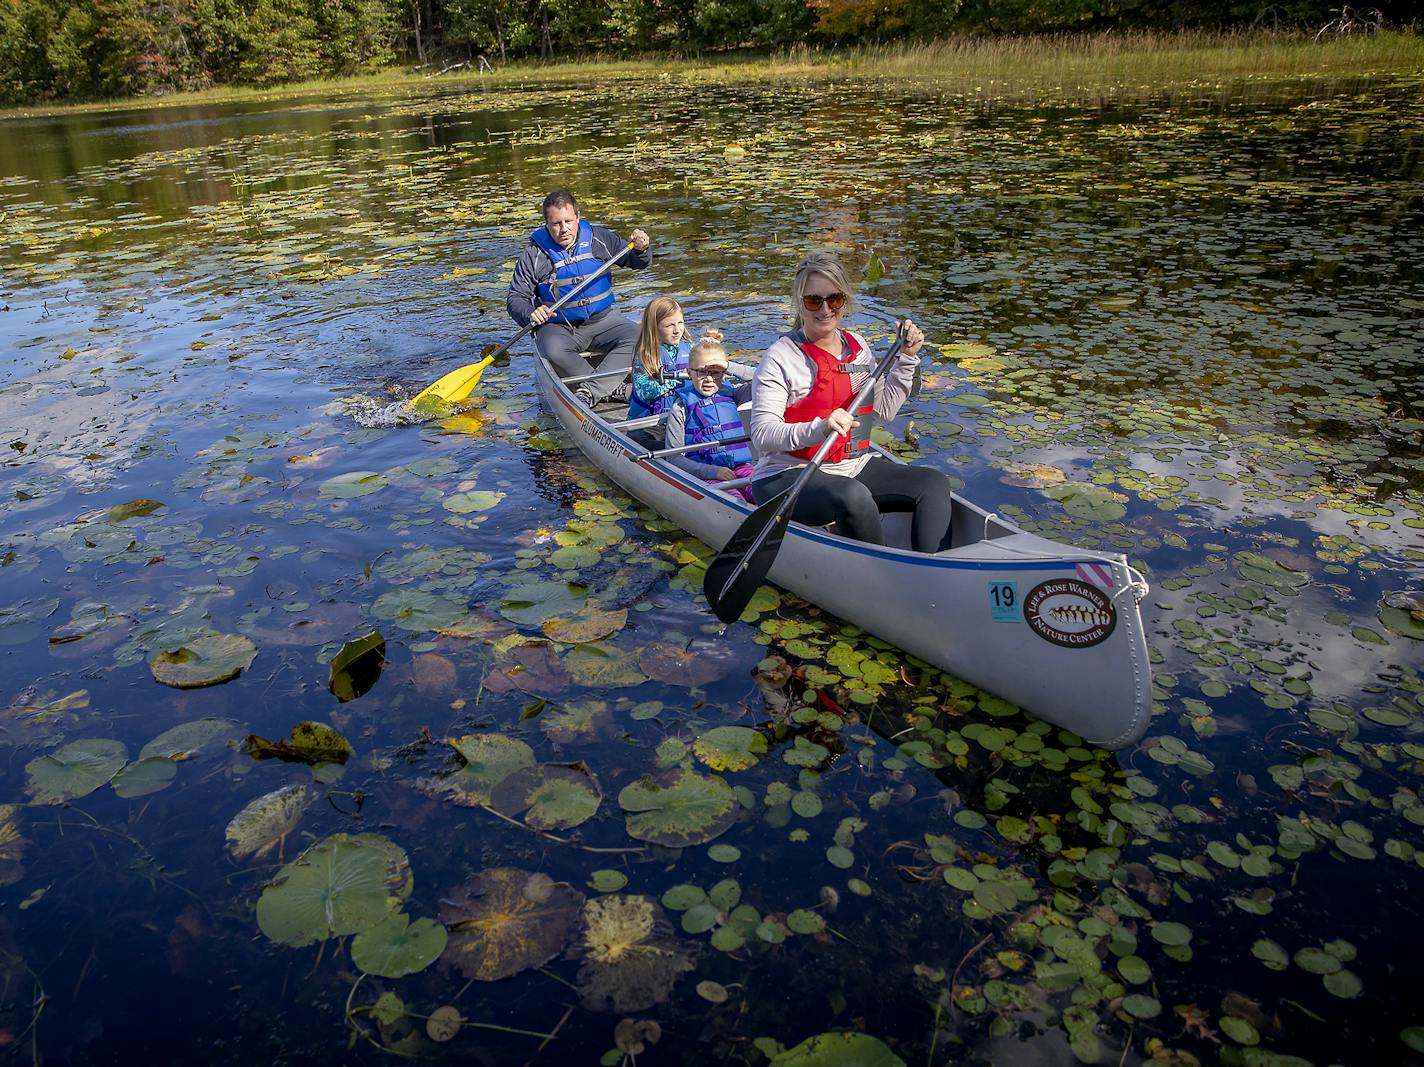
{"type": "Point", "coordinates": [1200, 323]}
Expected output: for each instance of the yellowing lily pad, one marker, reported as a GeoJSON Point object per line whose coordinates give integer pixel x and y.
{"type": "Point", "coordinates": [630, 958]}
{"type": "Point", "coordinates": [396, 947]}
{"type": "Point", "coordinates": [1033, 476]}
{"type": "Point", "coordinates": [352, 484]}
{"type": "Point", "coordinates": [503, 921]}
{"type": "Point", "coordinates": [591, 624]}
{"type": "Point", "coordinates": [342, 885]}
{"type": "Point", "coordinates": [74, 771]}
{"type": "Point", "coordinates": [187, 739]}
{"type": "Point", "coordinates": [265, 822]}
{"type": "Point", "coordinates": [837, 1049]}
{"type": "Point", "coordinates": [489, 760]}
{"type": "Point", "coordinates": [597, 666]}
{"type": "Point", "coordinates": [678, 808]}
{"type": "Point", "coordinates": [207, 659]}
{"type": "Point", "coordinates": [310, 742]}
{"type": "Point", "coordinates": [1087, 500]}
{"type": "Point", "coordinates": [133, 509]}
{"type": "Point", "coordinates": [730, 748]}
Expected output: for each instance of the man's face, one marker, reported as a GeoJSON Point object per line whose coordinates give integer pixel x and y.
{"type": "Point", "coordinates": [562, 223]}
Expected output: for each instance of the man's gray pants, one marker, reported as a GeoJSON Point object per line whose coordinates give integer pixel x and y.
{"type": "Point", "coordinates": [610, 336]}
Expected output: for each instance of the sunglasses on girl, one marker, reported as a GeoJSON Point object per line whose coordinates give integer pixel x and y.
{"type": "Point", "coordinates": [813, 302]}
{"type": "Point", "coordinates": [708, 372]}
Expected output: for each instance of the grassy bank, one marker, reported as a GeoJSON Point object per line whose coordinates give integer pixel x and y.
{"type": "Point", "coordinates": [1070, 68]}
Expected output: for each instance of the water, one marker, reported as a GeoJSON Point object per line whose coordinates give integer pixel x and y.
{"type": "Point", "coordinates": [1210, 308]}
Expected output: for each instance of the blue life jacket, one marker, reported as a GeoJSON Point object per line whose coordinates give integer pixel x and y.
{"type": "Point", "coordinates": [714, 418]}
{"type": "Point", "coordinates": [571, 266]}
{"type": "Point", "coordinates": [674, 362]}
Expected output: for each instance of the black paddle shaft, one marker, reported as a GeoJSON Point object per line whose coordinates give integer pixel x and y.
{"type": "Point", "coordinates": [493, 352]}
{"type": "Point", "coordinates": [742, 565]}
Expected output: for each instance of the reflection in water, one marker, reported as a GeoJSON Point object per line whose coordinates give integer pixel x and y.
{"type": "Point", "coordinates": [1182, 306]}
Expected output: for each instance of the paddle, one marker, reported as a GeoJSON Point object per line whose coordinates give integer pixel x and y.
{"type": "Point", "coordinates": [459, 383]}
{"type": "Point", "coordinates": [742, 565]}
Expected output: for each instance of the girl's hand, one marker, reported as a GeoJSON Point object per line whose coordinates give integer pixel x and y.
{"type": "Point", "coordinates": [913, 338]}
{"type": "Point", "coordinates": [841, 421]}
{"type": "Point", "coordinates": [725, 474]}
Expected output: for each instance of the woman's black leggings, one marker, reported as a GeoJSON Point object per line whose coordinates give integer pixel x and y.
{"type": "Point", "coordinates": [855, 504]}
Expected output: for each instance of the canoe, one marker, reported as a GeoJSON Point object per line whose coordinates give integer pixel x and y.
{"type": "Point", "coordinates": [1055, 629]}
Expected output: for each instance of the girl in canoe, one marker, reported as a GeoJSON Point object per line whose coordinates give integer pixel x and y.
{"type": "Point", "coordinates": [704, 411]}
{"type": "Point", "coordinates": [799, 395]}
{"type": "Point", "coordinates": [660, 358]}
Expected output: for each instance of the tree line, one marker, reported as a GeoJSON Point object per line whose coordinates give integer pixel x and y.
{"type": "Point", "coordinates": [85, 49]}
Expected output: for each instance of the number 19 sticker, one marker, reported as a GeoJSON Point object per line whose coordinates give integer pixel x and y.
{"type": "Point", "coordinates": [1004, 601]}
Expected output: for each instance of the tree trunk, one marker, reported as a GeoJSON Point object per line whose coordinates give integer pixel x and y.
{"type": "Point", "coordinates": [419, 45]}
{"type": "Point", "coordinates": [546, 46]}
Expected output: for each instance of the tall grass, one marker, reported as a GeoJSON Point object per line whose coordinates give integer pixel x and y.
{"type": "Point", "coordinates": [1067, 67]}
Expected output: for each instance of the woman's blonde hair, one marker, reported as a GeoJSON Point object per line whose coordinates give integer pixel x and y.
{"type": "Point", "coordinates": [829, 264]}
{"type": "Point", "coordinates": [647, 349]}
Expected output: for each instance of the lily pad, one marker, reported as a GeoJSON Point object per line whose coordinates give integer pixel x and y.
{"type": "Point", "coordinates": [133, 509]}
{"type": "Point", "coordinates": [396, 947]}
{"type": "Point", "coordinates": [489, 760]}
{"type": "Point", "coordinates": [341, 885]}
{"type": "Point", "coordinates": [74, 771]}
{"type": "Point", "coordinates": [630, 958]}
{"type": "Point", "coordinates": [599, 666]}
{"type": "Point", "coordinates": [1402, 613]}
{"type": "Point", "coordinates": [503, 921]}
{"type": "Point", "coordinates": [1032, 476]}
{"type": "Point", "coordinates": [186, 740]}
{"type": "Point", "coordinates": [265, 822]}
{"type": "Point", "coordinates": [1087, 500]}
{"type": "Point", "coordinates": [534, 603]}
{"type": "Point", "coordinates": [730, 748]}
{"type": "Point", "coordinates": [352, 484]}
{"type": "Point", "coordinates": [675, 665]}
{"type": "Point", "coordinates": [473, 501]}
{"type": "Point", "coordinates": [144, 776]}
{"type": "Point", "coordinates": [207, 659]}
{"type": "Point", "coordinates": [551, 796]}
{"type": "Point", "coordinates": [310, 742]}
{"type": "Point", "coordinates": [591, 624]}
{"type": "Point", "coordinates": [418, 610]}
{"type": "Point", "coordinates": [357, 667]}
{"type": "Point", "coordinates": [678, 808]}
{"type": "Point", "coordinates": [837, 1049]}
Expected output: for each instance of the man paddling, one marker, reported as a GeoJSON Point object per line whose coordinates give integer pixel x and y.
{"type": "Point", "coordinates": [559, 255]}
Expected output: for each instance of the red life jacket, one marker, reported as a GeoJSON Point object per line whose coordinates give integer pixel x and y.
{"type": "Point", "coordinates": [830, 389]}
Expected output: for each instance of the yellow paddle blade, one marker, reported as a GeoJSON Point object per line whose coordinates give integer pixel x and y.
{"type": "Point", "coordinates": [456, 385]}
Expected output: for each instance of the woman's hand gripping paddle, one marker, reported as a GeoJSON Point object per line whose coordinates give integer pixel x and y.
{"type": "Point", "coordinates": [459, 383]}
{"type": "Point", "coordinates": [742, 565]}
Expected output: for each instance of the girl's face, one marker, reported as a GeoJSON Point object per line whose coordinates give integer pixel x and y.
{"type": "Point", "coordinates": [670, 328]}
{"type": "Point", "coordinates": [707, 374]}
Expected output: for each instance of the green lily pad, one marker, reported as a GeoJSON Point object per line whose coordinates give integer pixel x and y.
{"type": "Point", "coordinates": [74, 771]}
{"type": "Point", "coordinates": [356, 668]}
{"type": "Point", "coordinates": [473, 501]}
{"type": "Point", "coordinates": [599, 666]}
{"type": "Point", "coordinates": [630, 962]}
{"type": "Point", "coordinates": [805, 921]}
{"type": "Point", "coordinates": [310, 742]}
{"type": "Point", "coordinates": [730, 748]}
{"type": "Point", "coordinates": [1171, 934]}
{"type": "Point", "coordinates": [678, 808]}
{"type": "Point", "coordinates": [186, 740]}
{"type": "Point", "coordinates": [396, 947]}
{"type": "Point", "coordinates": [1255, 567]}
{"type": "Point", "coordinates": [389, 1009]}
{"type": "Point", "coordinates": [207, 659]}
{"type": "Point", "coordinates": [1087, 500]}
{"type": "Point", "coordinates": [266, 821]}
{"type": "Point", "coordinates": [144, 776]}
{"type": "Point", "coordinates": [352, 484]}
{"type": "Point", "coordinates": [1271, 954]}
{"type": "Point", "coordinates": [551, 796]}
{"type": "Point", "coordinates": [341, 885]}
{"type": "Point", "coordinates": [1317, 961]}
{"type": "Point", "coordinates": [133, 509]}
{"type": "Point", "coordinates": [836, 1049]}
{"type": "Point", "coordinates": [533, 603]}
{"type": "Point", "coordinates": [489, 760]}
{"type": "Point", "coordinates": [503, 921]}
{"type": "Point", "coordinates": [1240, 1030]}
{"type": "Point", "coordinates": [607, 880]}
{"type": "Point", "coordinates": [1345, 984]}
{"type": "Point", "coordinates": [24, 622]}
{"type": "Point", "coordinates": [417, 610]}
{"type": "Point", "coordinates": [1402, 613]}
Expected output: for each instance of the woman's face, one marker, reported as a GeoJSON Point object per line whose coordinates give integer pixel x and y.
{"type": "Point", "coordinates": [822, 306]}
{"type": "Point", "coordinates": [670, 328]}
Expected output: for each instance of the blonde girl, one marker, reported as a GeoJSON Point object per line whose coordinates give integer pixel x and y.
{"type": "Point", "coordinates": [660, 357]}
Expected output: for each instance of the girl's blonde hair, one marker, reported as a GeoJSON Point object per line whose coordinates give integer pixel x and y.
{"type": "Point", "coordinates": [647, 348]}
{"type": "Point", "coordinates": [829, 264]}
{"type": "Point", "coordinates": [709, 344]}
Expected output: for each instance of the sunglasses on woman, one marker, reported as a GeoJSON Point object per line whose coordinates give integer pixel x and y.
{"type": "Point", "coordinates": [813, 302]}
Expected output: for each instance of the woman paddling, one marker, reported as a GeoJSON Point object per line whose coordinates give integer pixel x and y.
{"type": "Point", "coordinates": [799, 395]}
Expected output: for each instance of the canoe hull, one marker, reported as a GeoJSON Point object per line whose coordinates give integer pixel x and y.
{"type": "Point", "coordinates": [1054, 629]}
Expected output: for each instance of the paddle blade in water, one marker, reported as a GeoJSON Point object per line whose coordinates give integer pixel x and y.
{"type": "Point", "coordinates": [744, 561]}
{"type": "Point", "coordinates": [456, 385]}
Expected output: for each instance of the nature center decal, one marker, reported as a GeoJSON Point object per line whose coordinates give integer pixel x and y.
{"type": "Point", "coordinates": [1070, 613]}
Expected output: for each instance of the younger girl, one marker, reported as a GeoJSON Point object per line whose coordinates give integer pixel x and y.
{"type": "Point", "coordinates": [660, 358]}
{"type": "Point", "coordinates": [704, 410]}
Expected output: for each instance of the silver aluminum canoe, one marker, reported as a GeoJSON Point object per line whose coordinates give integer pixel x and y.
{"type": "Point", "coordinates": [1055, 629]}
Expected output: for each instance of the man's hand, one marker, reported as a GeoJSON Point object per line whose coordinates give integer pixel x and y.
{"type": "Point", "coordinates": [540, 315]}
{"type": "Point", "coordinates": [640, 240]}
